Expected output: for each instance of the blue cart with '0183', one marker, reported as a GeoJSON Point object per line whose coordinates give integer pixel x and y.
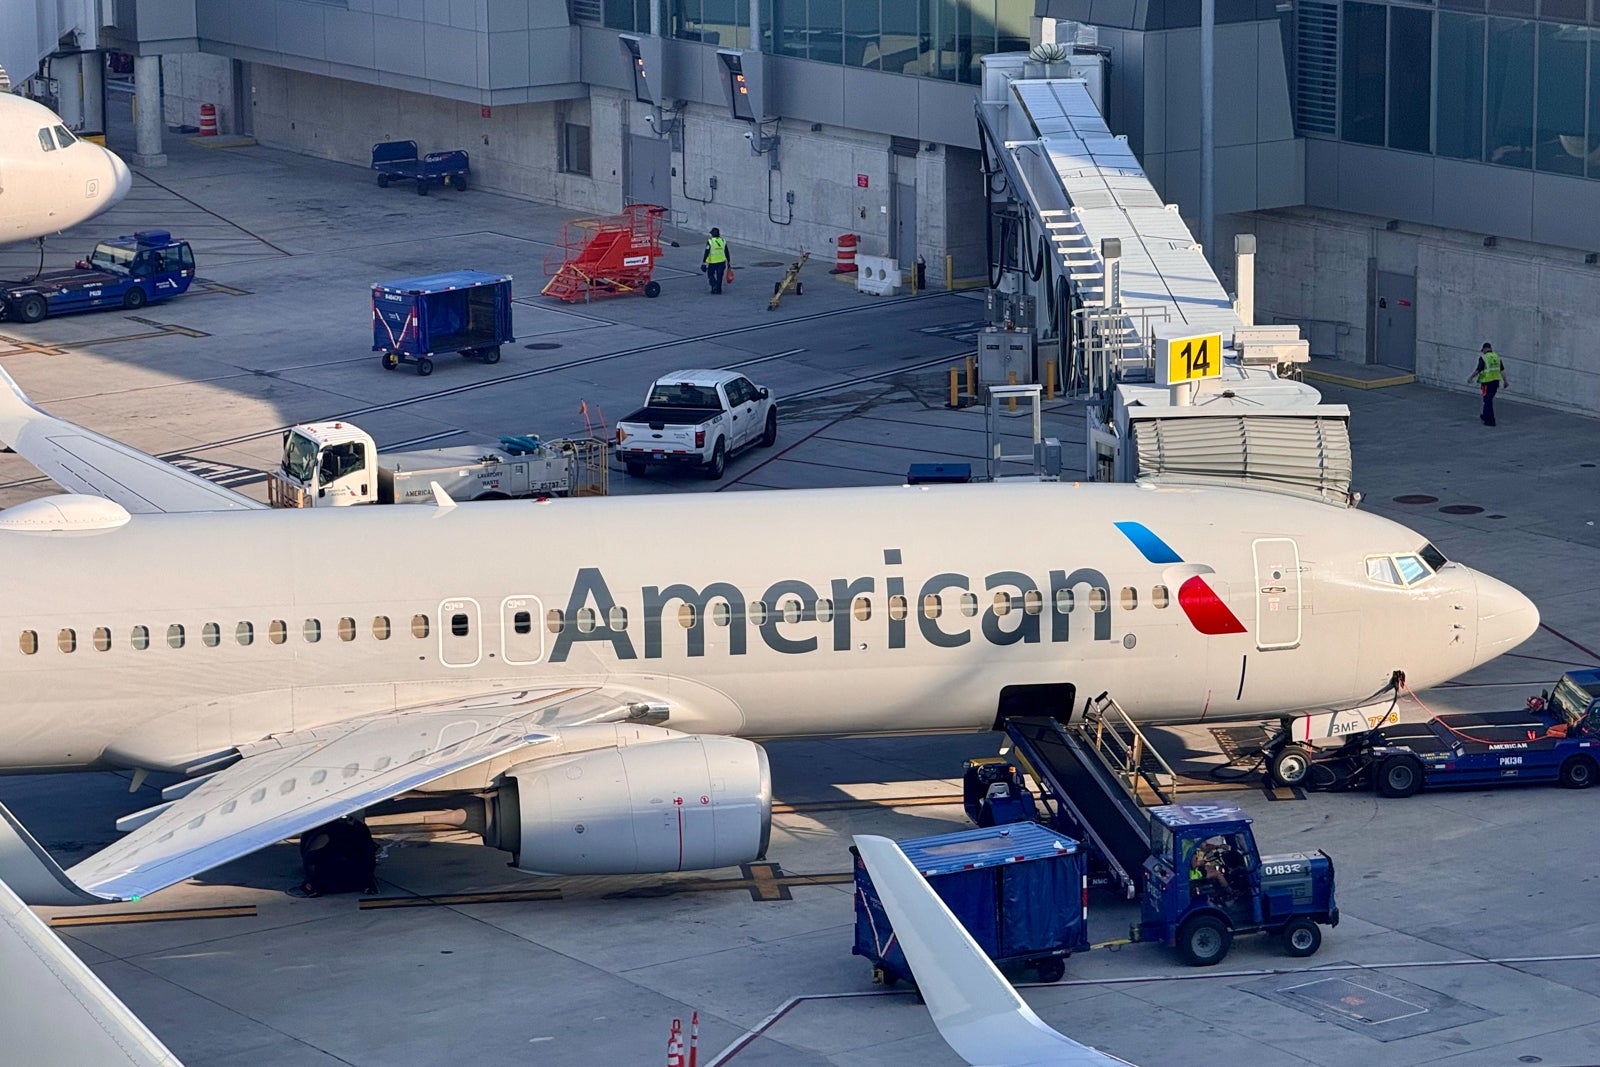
{"type": "Point", "coordinates": [465, 311]}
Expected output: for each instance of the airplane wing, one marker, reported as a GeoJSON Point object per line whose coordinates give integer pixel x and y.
{"type": "Point", "coordinates": [978, 1013]}
{"type": "Point", "coordinates": [82, 461]}
{"type": "Point", "coordinates": [55, 1009]}
{"type": "Point", "coordinates": [299, 780]}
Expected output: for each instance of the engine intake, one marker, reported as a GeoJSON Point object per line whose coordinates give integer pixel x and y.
{"type": "Point", "coordinates": [674, 803]}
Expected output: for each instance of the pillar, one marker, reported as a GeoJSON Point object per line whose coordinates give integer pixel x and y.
{"type": "Point", "coordinates": [94, 92]}
{"type": "Point", "coordinates": [147, 102]}
{"type": "Point", "coordinates": [68, 72]}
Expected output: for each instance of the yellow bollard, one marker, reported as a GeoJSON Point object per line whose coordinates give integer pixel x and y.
{"type": "Point", "coordinates": [955, 397]}
{"type": "Point", "coordinates": [1011, 401]}
{"type": "Point", "coordinates": [1050, 379]}
{"type": "Point", "coordinates": [972, 376]}
{"type": "Point", "coordinates": [949, 272]}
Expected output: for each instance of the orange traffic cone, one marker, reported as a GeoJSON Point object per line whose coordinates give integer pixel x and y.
{"type": "Point", "coordinates": [675, 1044]}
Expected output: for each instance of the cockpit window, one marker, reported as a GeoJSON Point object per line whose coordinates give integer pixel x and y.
{"type": "Point", "coordinates": [1398, 570]}
{"type": "Point", "coordinates": [64, 136]}
{"type": "Point", "coordinates": [1412, 569]}
{"type": "Point", "coordinates": [44, 140]}
{"type": "Point", "coordinates": [1432, 556]}
{"type": "Point", "coordinates": [1382, 569]}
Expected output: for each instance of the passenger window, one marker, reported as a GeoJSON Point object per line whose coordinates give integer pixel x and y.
{"type": "Point", "coordinates": [969, 604]}
{"type": "Point", "coordinates": [175, 636]}
{"type": "Point", "coordinates": [932, 607]}
{"type": "Point", "coordinates": [244, 634]}
{"type": "Point", "coordinates": [347, 629]}
{"type": "Point", "coordinates": [277, 631]}
{"type": "Point", "coordinates": [522, 622]}
{"type": "Point", "coordinates": [587, 620]}
{"type": "Point", "coordinates": [686, 616]}
{"type": "Point", "coordinates": [1033, 602]}
{"type": "Point", "coordinates": [67, 640]}
{"type": "Point", "coordinates": [380, 627]}
{"type": "Point", "coordinates": [44, 140]}
{"type": "Point", "coordinates": [419, 626]}
{"type": "Point", "coordinates": [757, 612]}
{"type": "Point", "coordinates": [29, 642]}
{"type": "Point", "coordinates": [1412, 569]}
{"type": "Point", "coordinates": [824, 610]}
{"type": "Point", "coordinates": [619, 619]}
{"type": "Point", "coordinates": [311, 630]}
{"type": "Point", "coordinates": [139, 638]}
{"type": "Point", "coordinates": [1159, 597]}
{"type": "Point", "coordinates": [102, 639]}
{"type": "Point", "coordinates": [1099, 600]}
{"type": "Point", "coordinates": [1002, 604]}
{"type": "Point", "coordinates": [1130, 598]}
{"type": "Point", "coordinates": [211, 635]}
{"type": "Point", "coordinates": [721, 614]}
{"type": "Point", "coordinates": [898, 608]}
{"type": "Point", "coordinates": [793, 610]}
{"type": "Point", "coordinates": [554, 619]}
{"type": "Point", "coordinates": [1381, 569]}
{"type": "Point", "coordinates": [1064, 601]}
{"type": "Point", "coordinates": [863, 608]}
{"type": "Point", "coordinates": [459, 626]}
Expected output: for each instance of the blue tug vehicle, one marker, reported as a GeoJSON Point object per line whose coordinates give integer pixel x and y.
{"type": "Point", "coordinates": [124, 272]}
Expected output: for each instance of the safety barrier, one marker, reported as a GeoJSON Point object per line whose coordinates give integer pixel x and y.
{"type": "Point", "coordinates": [208, 120]}
{"type": "Point", "coordinates": [877, 275]}
{"type": "Point", "coordinates": [845, 262]}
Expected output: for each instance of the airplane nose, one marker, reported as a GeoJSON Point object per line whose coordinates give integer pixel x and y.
{"type": "Point", "coordinates": [121, 178]}
{"type": "Point", "coordinates": [1506, 618]}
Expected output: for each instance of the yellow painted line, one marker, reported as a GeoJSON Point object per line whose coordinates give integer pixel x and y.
{"type": "Point", "coordinates": [508, 897]}
{"type": "Point", "coordinates": [1358, 383]}
{"type": "Point", "coordinates": [241, 911]}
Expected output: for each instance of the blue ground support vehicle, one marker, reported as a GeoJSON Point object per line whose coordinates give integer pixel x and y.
{"type": "Point", "coordinates": [1019, 890]}
{"type": "Point", "coordinates": [397, 161]}
{"type": "Point", "coordinates": [464, 311]}
{"type": "Point", "coordinates": [125, 272]}
{"type": "Point", "coordinates": [1556, 738]}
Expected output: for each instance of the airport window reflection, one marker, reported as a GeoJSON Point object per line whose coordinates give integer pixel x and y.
{"type": "Point", "coordinates": [139, 637]}
{"type": "Point", "coordinates": [554, 619]}
{"type": "Point", "coordinates": [175, 635]}
{"type": "Point", "coordinates": [420, 627]}
{"type": "Point", "coordinates": [1459, 122]}
{"type": "Point", "coordinates": [102, 639]}
{"type": "Point", "coordinates": [211, 635]}
{"type": "Point", "coordinates": [380, 627]}
{"type": "Point", "coordinates": [277, 631]}
{"type": "Point", "coordinates": [347, 629]}
{"type": "Point", "coordinates": [29, 642]}
{"type": "Point", "coordinates": [1560, 145]}
{"type": "Point", "coordinates": [1363, 89]}
{"type": "Point", "coordinates": [1410, 77]}
{"type": "Point", "coordinates": [244, 633]}
{"type": "Point", "coordinates": [1508, 114]}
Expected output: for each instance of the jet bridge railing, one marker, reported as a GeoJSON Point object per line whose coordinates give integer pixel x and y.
{"type": "Point", "coordinates": [1111, 345]}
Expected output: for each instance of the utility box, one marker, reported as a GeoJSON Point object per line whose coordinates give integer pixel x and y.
{"type": "Point", "coordinates": [1003, 353]}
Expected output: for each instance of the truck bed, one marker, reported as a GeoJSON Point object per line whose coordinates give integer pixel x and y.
{"type": "Point", "coordinates": [658, 415]}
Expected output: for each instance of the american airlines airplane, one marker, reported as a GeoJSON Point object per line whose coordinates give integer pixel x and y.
{"type": "Point", "coordinates": [49, 178]}
{"type": "Point", "coordinates": [593, 698]}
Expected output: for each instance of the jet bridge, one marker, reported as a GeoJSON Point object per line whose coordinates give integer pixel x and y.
{"type": "Point", "coordinates": [1086, 256]}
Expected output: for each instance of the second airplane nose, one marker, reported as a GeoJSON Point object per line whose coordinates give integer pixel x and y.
{"type": "Point", "coordinates": [1506, 618]}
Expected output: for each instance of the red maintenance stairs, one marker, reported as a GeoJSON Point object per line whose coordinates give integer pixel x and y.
{"type": "Point", "coordinates": [606, 256]}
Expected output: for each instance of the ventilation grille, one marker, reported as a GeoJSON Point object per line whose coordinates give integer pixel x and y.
{"type": "Point", "coordinates": [1316, 91]}
{"type": "Point", "coordinates": [586, 11]}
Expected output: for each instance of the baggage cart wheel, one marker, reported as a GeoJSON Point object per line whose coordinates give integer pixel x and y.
{"type": "Point", "coordinates": [383, 181]}
{"type": "Point", "coordinates": [424, 367]}
{"type": "Point", "coordinates": [1577, 773]}
{"type": "Point", "coordinates": [134, 298]}
{"type": "Point", "coordinates": [1302, 938]}
{"type": "Point", "coordinates": [1204, 940]}
{"type": "Point", "coordinates": [1290, 764]}
{"type": "Point", "coordinates": [422, 188]}
{"type": "Point", "coordinates": [1051, 970]}
{"type": "Point", "coordinates": [635, 470]}
{"type": "Point", "coordinates": [491, 355]}
{"type": "Point", "coordinates": [390, 360]}
{"type": "Point", "coordinates": [32, 308]}
{"type": "Point", "coordinates": [1399, 776]}
{"type": "Point", "coordinates": [884, 977]}
{"type": "Point", "coordinates": [652, 289]}
{"type": "Point", "coordinates": [460, 183]}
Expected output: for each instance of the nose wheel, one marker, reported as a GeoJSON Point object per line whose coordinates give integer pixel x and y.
{"type": "Point", "coordinates": [1290, 764]}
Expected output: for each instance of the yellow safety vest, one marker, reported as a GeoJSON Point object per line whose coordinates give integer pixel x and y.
{"type": "Point", "coordinates": [1491, 367]}
{"type": "Point", "coordinates": [716, 250]}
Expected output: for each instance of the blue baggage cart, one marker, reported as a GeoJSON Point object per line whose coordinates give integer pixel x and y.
{"type": "Point", "coordinates": [397, 161]}
{"type": "Point", "coordinates": [1020, 890]}
{"type": "Point", "coordinates": [466, 311]}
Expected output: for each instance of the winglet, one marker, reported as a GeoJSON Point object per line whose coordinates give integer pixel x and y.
{"type": "Point", "coordinates": [440, 497]}
{"type": "Point", "coordinates": [977, 1012]}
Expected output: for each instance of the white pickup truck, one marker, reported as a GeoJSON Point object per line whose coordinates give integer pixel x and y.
{"type": "Point", "coordinates": [697, 418]}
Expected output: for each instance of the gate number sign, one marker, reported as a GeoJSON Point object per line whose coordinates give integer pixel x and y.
{"type": "Point", "coordinates": [1188, 359]}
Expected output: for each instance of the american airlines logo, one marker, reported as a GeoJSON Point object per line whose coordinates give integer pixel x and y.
{"type": "Point", "coordinates": [1205, 609]}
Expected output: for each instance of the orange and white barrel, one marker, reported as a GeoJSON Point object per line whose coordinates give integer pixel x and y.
{"type": "Point", "coordinates": [208, 120]}
{"type": "Point", "coordinates": [845, 263]}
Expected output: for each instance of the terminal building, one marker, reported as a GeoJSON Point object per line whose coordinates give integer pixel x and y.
{"type": "Point", "coordinates": [1419, 178]}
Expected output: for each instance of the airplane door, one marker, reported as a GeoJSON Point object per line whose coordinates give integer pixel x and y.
{"type": "Point", "coordinates": [460, 633]}
{"type": "Point", "coordinates": [1277, 593]}
{"type": "Point", "coordinates": [521, 630]}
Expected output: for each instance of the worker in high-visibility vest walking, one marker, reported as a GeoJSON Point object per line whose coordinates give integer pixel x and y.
{"type": "Point", "coordinates": [1491, 377]}
{"type": "Point", "coordinates": [715, 261]}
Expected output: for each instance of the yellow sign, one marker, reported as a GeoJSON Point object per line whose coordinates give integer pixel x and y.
{"type": "Point", "coordinates": [1188, 359]}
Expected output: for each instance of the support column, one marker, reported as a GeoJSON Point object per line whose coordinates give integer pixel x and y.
{"type": "Point", "coordinates": [68, 70]}
{"type": "Point", "coordinates": [147, 105]}
{"type": "Point", "coordinates": [94, 92]}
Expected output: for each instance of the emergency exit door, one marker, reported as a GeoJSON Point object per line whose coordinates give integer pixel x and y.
{"type": "Point", "coordinates": [1277, 593]}
{"type": "Point", "coordinates": [460, 633]}
{"type": "Point", "coordinates": [521, 630]}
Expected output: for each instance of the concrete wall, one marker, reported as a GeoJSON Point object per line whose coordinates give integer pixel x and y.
{"type": "Point", "coordinates": [190, 79]}
{"type": "Point", "coordinates": [1535, 303]}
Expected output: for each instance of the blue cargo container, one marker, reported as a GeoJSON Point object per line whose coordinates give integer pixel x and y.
{"type": "Point", "coordinates": [1020, 890]}
{"type": "Point", "coordinates": [464, 311]}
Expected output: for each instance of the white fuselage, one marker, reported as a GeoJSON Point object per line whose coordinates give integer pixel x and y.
{"type": "Point", "coordinates": [804, 613]}
{"type": "Point", "coordinates": [47, 189]}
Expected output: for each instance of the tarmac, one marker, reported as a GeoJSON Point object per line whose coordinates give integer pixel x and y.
{"type": "Point", "coordinates": [1469, 934]}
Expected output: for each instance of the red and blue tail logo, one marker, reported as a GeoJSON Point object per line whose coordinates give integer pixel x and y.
{"type": "Point", "coordinates": [1205, 609]}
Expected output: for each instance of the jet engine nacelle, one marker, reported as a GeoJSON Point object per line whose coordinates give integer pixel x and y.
{"type": "Point", "coordinates": [681, 803]}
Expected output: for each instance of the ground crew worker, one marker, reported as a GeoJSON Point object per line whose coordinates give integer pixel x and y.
{"type": "Point", "coordinates": [715, 260]}
{"type": "Point", "coordinates": [1490, 376]}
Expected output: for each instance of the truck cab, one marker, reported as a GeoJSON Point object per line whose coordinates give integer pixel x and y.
{"type": "Point", "coordinates": [325, 464]}
{"type": "Point", "coordinates": [1206, 881]}
{"type": "Point", "coordinates": [126, 272]}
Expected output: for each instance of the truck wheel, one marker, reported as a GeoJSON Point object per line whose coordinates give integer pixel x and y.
{"type": "Point", "coordinates": [1204, 940]}
{"type": "Point", "coordinates": [460, 183]}
{"type": "Point", "coordinates": [1302, 938]}
{"type": "Point", "coordinates": [1399, 776]}
{"type": "Point", "coordinates": [32, 308]}
{"type": "Point", "coordinates": [134, 298]}
{"type": "Point", "coordinates": [1290, 764]}
{"type": "Point", "coordinates": [652, 289]}
{"type": "Point", "coordinates": [769, 436]}
{"type": "Point", "coordinates": [1577, 773]}
{"type": "Point", "coordinates": [1051, 970]}
{"type": "Point", "coordinates": [491, 355]}
{"type": "Point", "coordinates": [424, 367]}
{"type": "Point", "coordinates": [383, 181]}
{"type": "Point", "coordinates": [635, 470]}
{"type": "Point", "coordinates": [719, 461]}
